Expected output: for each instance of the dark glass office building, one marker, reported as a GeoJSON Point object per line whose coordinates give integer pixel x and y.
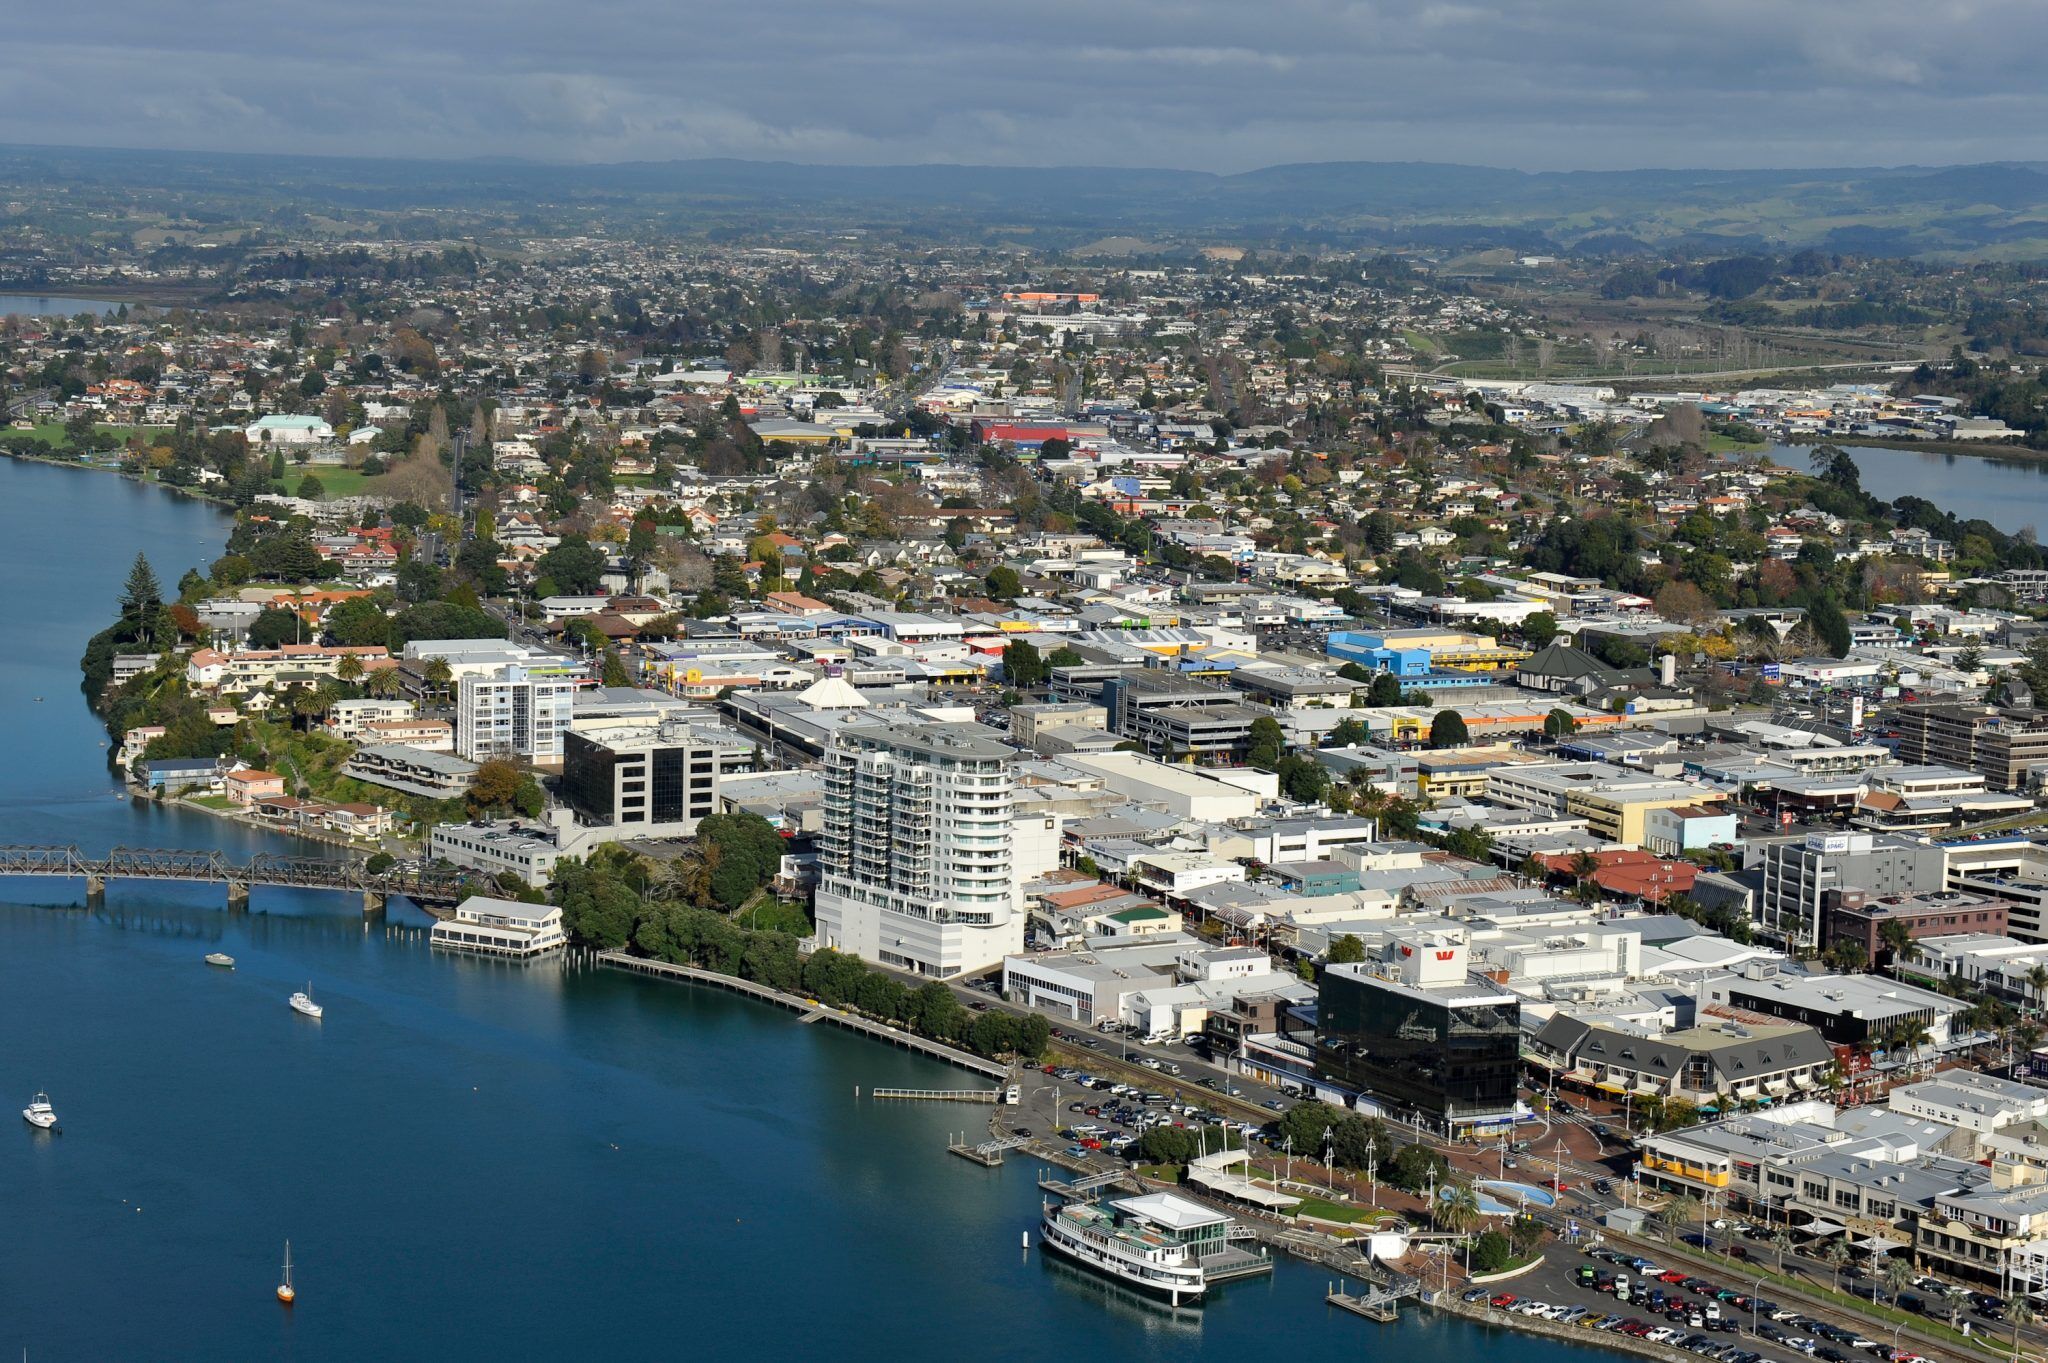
{"type": "Point", "coordinates": [639, 779]}
{"type": "Point", "coordinates": [1451, 1054]}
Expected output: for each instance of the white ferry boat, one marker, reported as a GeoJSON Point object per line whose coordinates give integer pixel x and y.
{"type": "Point", "coordinates": [1123, 1248]}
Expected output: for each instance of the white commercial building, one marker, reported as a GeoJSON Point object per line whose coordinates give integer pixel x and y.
{"type": "Point", "coordinates": [523, 850]}
{"type": "Point", "coordinates": [916, 855]}
{"type": "Point", "coordinates": [513, 712]}
{"type": "Point", "coordinates": [501, 927]}
{"type": "Point", "coordinates": [1189, 792]}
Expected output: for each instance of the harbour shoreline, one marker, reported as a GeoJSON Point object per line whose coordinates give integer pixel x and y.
{"type": "Point", "coordinates": [53, 461]}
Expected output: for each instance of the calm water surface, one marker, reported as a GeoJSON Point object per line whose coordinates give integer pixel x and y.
{"type": "Point", "coordinates": [471, 1160]}
{"type": "Point", "coordinates": [53, 305]}
{"type": "Point", "coordinates": [2012, 494]}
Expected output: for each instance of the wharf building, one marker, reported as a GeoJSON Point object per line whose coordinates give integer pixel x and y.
{"type": "Point", "coordinates": [916, 853]}
{"type": "Point", "coordinates": [501, 927]}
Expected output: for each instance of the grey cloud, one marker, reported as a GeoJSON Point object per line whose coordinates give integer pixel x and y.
{"type": "Point", "coordinates": [1191, 83]}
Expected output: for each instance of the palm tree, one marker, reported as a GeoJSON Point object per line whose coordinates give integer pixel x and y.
{"type": "Point", "coordinates": [1680, 1211]}
{"type": "Point", "coordinates": [438, 674]}
{"type": "Point", "coordinates": [1834, 1254]}
{"type": "Point", "coordinates": [1897, 1276]}
{"type": "Point", "coordinates": [307, 704]}
{"type": "Point", "coordinates": [1911, 1035]}
{"type": "Point", "coordinates": [383, 683]}
{"type": "Point", "coordinates": [2037, 980]}
{"type": "Point", "coordinates": [350, 668]}
{"type": "Point", "coordinates": [1899, 938]}
{"type": "Point", "coordinates": [1780, 1242]}
{"type": "Point", "coordinates": [2020, 1311]}
{"type": "Point", "coordinates": [1584, 866]}
{"type": "Point", "coordinates": [1457, 1210]}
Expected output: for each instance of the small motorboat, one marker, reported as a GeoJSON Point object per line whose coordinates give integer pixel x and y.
{"type": "Point", "coordinates": [302, 1002]}
{"type": "Point", "coordinates": [39, 1113]}
{"type": "Point", "coordinates": [220, 958]}
{"type": "Point", "coordinates": [286, 1293]}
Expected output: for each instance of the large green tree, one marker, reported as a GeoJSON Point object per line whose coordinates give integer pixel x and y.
{"type": "Point", "coordinates": [1022, 664]}
{"type": "Point", "coordinates": [1268, 742]}
{"type": "Point", "coordinates": [1448, 730]}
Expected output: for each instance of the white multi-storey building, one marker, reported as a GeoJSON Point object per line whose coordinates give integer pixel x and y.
{"type": "Point", "coordinates": [513, 712]}
{"type": "Point", "coordinates": [916, 849]}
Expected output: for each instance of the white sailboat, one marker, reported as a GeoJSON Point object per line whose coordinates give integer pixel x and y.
{"type": "Point", "coordinates": [302, 1002]}
{"type": "Point", "coordinates": [286, 1293]}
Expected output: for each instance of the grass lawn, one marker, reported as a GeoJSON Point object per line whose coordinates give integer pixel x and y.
{"type": "Point", "coordinates": [1164, 1173]}
{"type": "Point", "coordinates": [219, 802]}
{"type": "Point", "coordinates": [52, 432]}
{"type": "Point", "coordinates": [337, 482]}
{"type": "Point", "coordinates": [1324, 1210]}
{"type": "Point", "coordinates": [775, 915]}
{"type": "Point", "coordinates": [1722, 444]}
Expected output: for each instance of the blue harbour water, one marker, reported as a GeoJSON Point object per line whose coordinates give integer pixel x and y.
{"type": "Point", "coordinates": [472, 1160]}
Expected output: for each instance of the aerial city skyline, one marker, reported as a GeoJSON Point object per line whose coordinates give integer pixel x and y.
{"type": "Point", "coordinates": [1169, 681]}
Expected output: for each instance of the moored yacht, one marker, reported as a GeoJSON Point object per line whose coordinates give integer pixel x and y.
{"type": "Point", "coordinates": [39, 1113]}
{"type": "Point", "coordinates": [302, 1002]}
{"type": "Point", "coordinates": [220, 958]}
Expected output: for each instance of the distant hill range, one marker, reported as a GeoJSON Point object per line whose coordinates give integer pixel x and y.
{"type": "Point", "coordinates": [1993, 209]}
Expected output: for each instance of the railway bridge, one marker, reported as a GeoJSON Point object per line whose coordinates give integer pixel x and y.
{"type": "Point", "coordinates": [431, 888]}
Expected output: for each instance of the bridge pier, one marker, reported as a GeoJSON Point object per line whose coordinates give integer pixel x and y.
{"type": "Point", "coordinates": [238, 896]}
{"type": "Point", "coordinates": [373, 901]}
{"type": "Point", "coordinates": [95, 891]}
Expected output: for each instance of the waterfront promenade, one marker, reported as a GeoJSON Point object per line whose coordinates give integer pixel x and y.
{"type": "Point", "coordinates": [811, 1010]}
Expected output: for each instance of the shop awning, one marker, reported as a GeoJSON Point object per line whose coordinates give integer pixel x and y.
{"type": "Point", "coordinates": [1646, 1087]}
{"type": "Point", "coordinates": [1582, 1074]}
{"type": "Point", "coordinates": [1609, 1086]}
{"type": "Point", "coordinates": [1777, 1085]}
{"type": "Point", "coordinates": [1804, 1081]}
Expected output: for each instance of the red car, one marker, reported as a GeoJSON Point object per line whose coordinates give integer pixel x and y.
{"type": "Point", "coordinates": [1670, 1275]}
{"type": "Point", "coordinates": [1505, 1300]}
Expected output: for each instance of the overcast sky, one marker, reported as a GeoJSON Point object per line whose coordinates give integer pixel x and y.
{"type": "Point", "coordinates": [1536, 84]}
